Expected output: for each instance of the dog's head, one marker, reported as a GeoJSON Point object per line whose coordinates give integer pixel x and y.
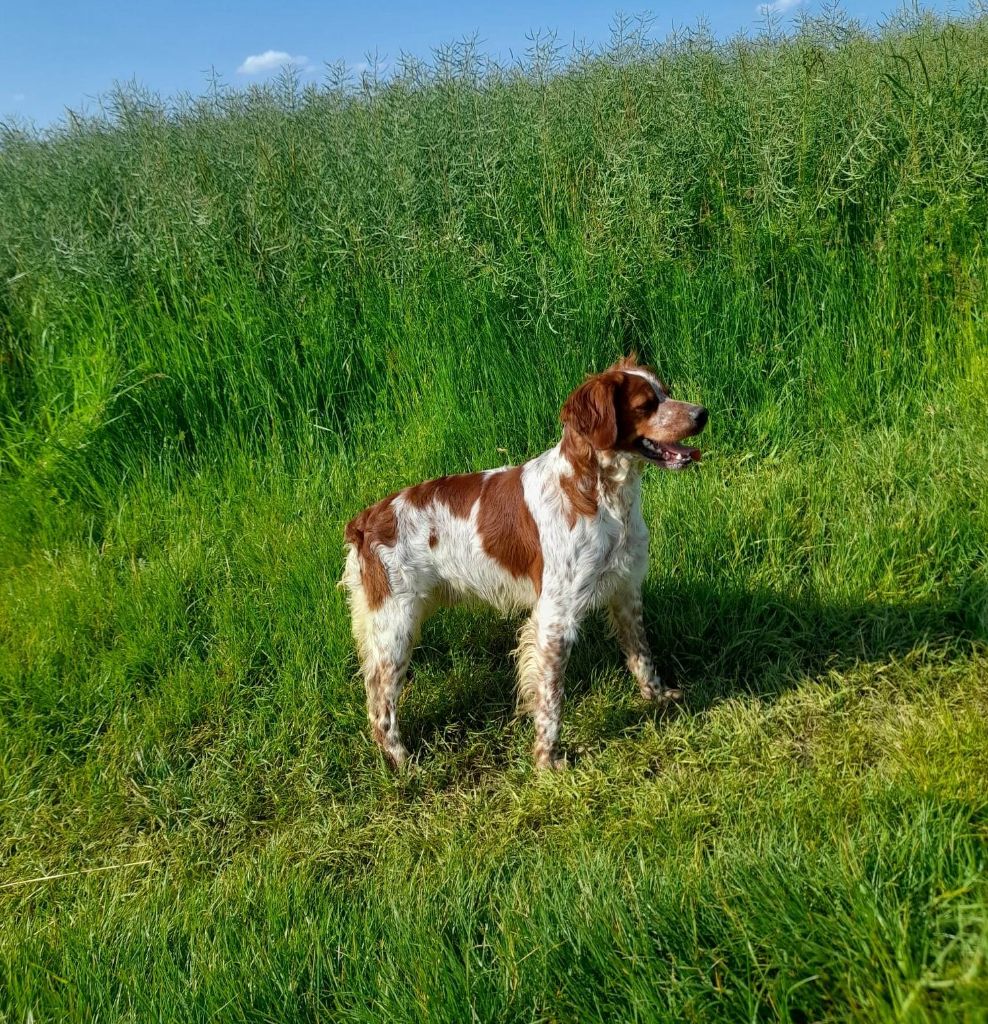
{"type": "Point", "coordinates": [627, 409]}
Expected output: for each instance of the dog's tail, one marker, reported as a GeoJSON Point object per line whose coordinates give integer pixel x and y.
{"type": "Point", "coordinates": [350, 579]}
{"type": "Point", "coordinates": [353, 537]}
{"type": "Point", "coordinates": [352, 582]}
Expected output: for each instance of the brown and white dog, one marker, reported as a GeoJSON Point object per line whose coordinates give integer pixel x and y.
{"type": "Point", "coordinates": [561, 535]}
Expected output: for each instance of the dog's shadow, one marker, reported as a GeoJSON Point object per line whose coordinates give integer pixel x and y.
{"type": "Point", "coordinates": [711, 640]}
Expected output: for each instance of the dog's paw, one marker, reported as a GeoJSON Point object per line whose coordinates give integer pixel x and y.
{"type": "Point", "coordinates": [395, 756]}
{"type": "Point", "coordinates": [550, 763]}
{"type": "Point", "coordinates": [657, 693]}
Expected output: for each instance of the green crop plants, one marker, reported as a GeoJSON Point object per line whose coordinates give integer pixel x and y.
{"type": "Point", "coordinates": [227, 323]}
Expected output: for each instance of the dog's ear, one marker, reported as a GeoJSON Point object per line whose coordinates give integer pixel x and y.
{"type": "Point", "coordinates": [590, 410]}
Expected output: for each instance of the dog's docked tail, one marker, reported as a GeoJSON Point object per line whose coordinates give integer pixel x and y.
{"type": "Point", "coordinates": [353, 538]}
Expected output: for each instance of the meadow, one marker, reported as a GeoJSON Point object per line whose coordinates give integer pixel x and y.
{"type": "Point", "coordinates": [229, 322]}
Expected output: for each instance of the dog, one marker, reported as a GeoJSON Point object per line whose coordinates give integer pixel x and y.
{"type": "Point", "coordinates": [561, 534]}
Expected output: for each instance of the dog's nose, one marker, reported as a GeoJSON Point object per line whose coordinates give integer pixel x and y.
{"type": "Point", "coordinates": [700, 417]}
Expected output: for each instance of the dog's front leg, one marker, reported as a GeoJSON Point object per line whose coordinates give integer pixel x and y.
{"type": "Point", "coordinates": [625, 610]}
{"type": "Point", "coordinates": [543, 651]}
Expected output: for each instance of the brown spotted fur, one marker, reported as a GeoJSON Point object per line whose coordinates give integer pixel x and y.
{"type": "Point", "coordinates": [458, 493]}
{"type": "Point", "coordinates": [375, 526]}
{"type": "Point", "coordinates": [506, 527]}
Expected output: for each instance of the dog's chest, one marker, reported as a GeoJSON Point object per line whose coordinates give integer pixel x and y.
{"type": "Point", "coordinates": [622, 537]}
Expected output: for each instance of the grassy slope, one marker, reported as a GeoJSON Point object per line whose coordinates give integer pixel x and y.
{"type": "Point", "coordinates": [226, 330]}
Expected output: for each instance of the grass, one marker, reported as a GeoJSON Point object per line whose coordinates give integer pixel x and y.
{"type": "Point", "coordinates": [229, 322]}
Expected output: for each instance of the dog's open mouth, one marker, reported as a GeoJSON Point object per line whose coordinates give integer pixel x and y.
{"type": "Point", "coordinates": [668, 455]}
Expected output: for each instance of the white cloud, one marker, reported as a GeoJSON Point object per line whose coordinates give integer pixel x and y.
{"type": "Point", "coordinates": [271, 60]}
{"type": "Point", "coordinates": [778, 6]}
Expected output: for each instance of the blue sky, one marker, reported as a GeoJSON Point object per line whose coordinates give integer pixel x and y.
{"type": "Point", "coordinates": [60, 54]}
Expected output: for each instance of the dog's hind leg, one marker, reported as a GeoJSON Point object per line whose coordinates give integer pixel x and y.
{"type": "Point", "coordinates": [385, 636]}
{"type": "Point", "coordinates": [390, 634]}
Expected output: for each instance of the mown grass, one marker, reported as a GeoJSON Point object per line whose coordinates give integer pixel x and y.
{"type": "Point", "coordinates": [228, 323]}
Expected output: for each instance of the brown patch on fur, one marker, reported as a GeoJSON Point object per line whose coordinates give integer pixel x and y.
{"type": "Point", "coordinates": [635, 403]}
{"type": "Point", "coordinates": [590, 409]}
{"type": "Point", "coordinates": [375, 526]}
{"type": "Point", "coordinates": [433, 539]}
{"type": "Point", "coordinates": [613, 410]}
{"type": "Point", "coordinates": [580, 486]}
{"type": "Point", "coordinates": [507, 530]}
{"type": "Point", "coordinates": [590, 415]}
{"type": "Point", "coordinates": [641, 414]}
{"type": "Point", "coordinates": [458, 493]}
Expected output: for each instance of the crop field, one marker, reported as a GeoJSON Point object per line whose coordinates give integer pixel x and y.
{"type": "Point", "coordinates": [229, 322]}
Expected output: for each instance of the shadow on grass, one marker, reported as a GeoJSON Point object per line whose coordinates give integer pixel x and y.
{"type": "Point", "coordinates": [717, 640]}
{"type": "Point", "coordinates": [711, 640]}
{"type": "Point", "coordinates": [461, 678]}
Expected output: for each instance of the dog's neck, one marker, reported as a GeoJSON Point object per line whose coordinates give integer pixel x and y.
{"type": "Point", "coordinates": [619, 480]}
{"type": "Point", "coordinates": [608, 478]}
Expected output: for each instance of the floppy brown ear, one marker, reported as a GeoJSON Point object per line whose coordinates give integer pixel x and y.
{"type": "Point", "coordinates": [590, 410]}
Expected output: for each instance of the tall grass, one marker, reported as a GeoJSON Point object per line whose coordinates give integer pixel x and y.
{"type": "Point", "coordinates": [228, 322]}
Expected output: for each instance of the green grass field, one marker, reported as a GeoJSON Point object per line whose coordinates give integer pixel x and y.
{"type": "Point", "coordinates": [228, 323]}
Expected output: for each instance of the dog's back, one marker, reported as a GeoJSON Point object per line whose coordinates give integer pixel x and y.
{"type": "Point", "coordinates": [472, 535]}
